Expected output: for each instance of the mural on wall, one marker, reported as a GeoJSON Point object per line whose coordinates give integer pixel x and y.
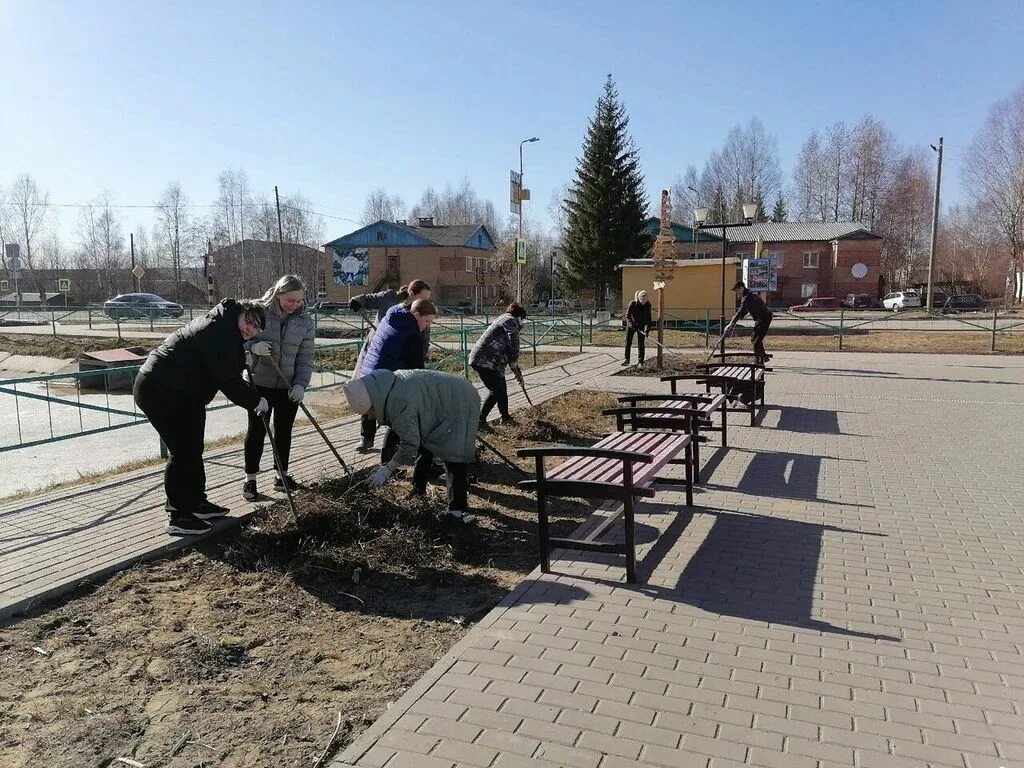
{"type": "Point", "coordinates": [351, 266]}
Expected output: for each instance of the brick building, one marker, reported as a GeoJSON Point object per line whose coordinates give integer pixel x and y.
{"type": "Point", "coordinates": [457, 261]}
{"type": "Point", "coordinates": [810, 258]}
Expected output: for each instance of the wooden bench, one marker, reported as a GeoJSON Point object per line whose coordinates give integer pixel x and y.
{"type": "Point", "coordinates": [621, 467]}
{"type": "Point", "coordinates": [732, 378]}
{"type": "Point", "coordinates": [691, 413]}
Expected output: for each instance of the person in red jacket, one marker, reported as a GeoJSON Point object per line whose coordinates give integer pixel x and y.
{"type": "Point", "coordinates": [173, 388]}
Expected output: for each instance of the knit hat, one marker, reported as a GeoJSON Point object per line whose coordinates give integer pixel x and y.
{"type": "Point", "coordinates": [358, 396]}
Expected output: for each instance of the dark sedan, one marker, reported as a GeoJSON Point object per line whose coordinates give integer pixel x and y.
{"type": "Point", "coordinates": [130, 306]}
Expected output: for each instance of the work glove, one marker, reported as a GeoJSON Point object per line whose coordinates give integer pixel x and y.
{"type": "Point", "coordinates": [354, 305]}
{"type": "Point", "coordinates": [381, 476]}
{"type": "Point", "coordinates": [263, 407]}
{"type": "Point", "coordinates": [260, 348]}
{"type": "Point", "coordinates": [296, 393]}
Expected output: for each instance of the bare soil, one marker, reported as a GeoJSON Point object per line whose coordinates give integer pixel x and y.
{"type": "Point", "coordinates": [244, 650]}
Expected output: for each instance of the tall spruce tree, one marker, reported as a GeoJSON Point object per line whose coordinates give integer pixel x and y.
{"type": "Point", "coordinates": [606, 206]}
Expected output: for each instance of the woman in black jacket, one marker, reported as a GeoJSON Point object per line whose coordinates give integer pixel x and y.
{"type": "Point", "coordinates": [639, 322]}
{"type": "Point", "coordinates": [173, 388]}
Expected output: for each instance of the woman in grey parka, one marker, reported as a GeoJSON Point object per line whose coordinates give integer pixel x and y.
{"type": "Point", "coordinates": [496, 348]}
{"type": "Point", "coordinates": [433, 414]}
{"type": "Point", "coordinates": [288, 339]}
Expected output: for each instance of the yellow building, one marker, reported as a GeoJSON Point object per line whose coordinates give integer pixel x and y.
{"type": "Point", "coordinates": [695, 292]}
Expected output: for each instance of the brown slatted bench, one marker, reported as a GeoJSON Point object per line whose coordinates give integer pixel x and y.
{"type": "Point", "coordinates": [621, 467]}
{"type": "Point", "coordinates": [691, 413]}
{"type": "Point", "coordinates": [732, 378]}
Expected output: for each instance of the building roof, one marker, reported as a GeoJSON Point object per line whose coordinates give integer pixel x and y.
{"type": "Point", "coordinates": [769, 231]}
{"type": "Point", "coordinates": [395, 234]}
{"type": "Point", "coordinates": [679, 262]}
{"type": "Point", "coordinates": [797, 231]}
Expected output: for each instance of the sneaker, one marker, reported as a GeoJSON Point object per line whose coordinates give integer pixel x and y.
{"type": "Point", "coordinates": [185, 524]}
{"type": "Point", "coordinates": [249, 491]}
{"type": "Point", "coordinates": [207, 510]}
{"type": "Point", "coordinates": [508, 420]}
{"type": "Point", "coordinates": [366, 446]}
{"type": "Point", "coordinates": [624, 363]}
{"type": "Point", "coordinates": [292, 485]}
{"type": "Point", "coordinates": [455, 517]}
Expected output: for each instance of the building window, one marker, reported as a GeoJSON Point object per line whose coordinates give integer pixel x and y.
{"type": "Point", "coordinates": [810, 259]}
{"type": "Point", "coordinates": [469, 263]}
{"type": "Point", "coordinates": [701, 255]}
{"type": "Point", "coordinates": [808, 290]}
{"type": "Point", "coordinates": [381, 235]}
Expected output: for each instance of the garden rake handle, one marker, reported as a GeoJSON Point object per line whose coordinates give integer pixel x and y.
{"type": "Point", "coordinates": [497, 453]}
{"type": "Point", "coordinates": [316, 426]}
{"type": "Point", "coordinates": [280, 469]}
{"type": "Point", "coordinates": [519, 377]}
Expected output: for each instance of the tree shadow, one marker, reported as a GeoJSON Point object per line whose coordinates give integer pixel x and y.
{"type": "Point", "coordinates": [813, 421]}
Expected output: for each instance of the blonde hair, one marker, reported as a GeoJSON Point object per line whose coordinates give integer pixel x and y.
{"type": "Point", "coordinates": [284, 284]}
{"type": "Point", "coordinates": [638, 294]}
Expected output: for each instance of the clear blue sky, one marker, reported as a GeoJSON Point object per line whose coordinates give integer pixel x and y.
{"type": "Point", "coordinates": [334, 99]}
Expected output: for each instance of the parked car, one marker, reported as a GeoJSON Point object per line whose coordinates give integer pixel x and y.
{"type": "Point", "coordinates": [858, 301]}
{"type": "Point", "coordinates": [558, 306]}
{"type": "Point", "coordinates": [898, 300]}
{"type": "Point", "coordinates": [964, 302]}
{"type": "Point", "coordinates": [818, 304]}
{"type": "Point", "coordinates": [141, 305]}
{"type": "Point", "coordinates": [328, 307]}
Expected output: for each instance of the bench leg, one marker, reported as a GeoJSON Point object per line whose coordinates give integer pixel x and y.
{"type": "Point", "coordinates": [725, 424]}
{"type": "Point", "coordinates": [691, 458]}
{"type": "Point", "coordinates": [630, 520]}
{"type": "Point", "coordinates": [696, 452]}
{"type": "Point", "coordinates": [542, 528]}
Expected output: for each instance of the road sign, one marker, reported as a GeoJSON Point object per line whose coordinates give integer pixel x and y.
{"type": "Point", "coordinates": [138, 272]}
{"type": "Point", "coordinates": [520, 250]}
{"type": "Point", "coordinates": [13, 254]}
{"type": "Point", "coordinates": [515, 192]}
{"type": "Point", "coordinates": [64, 285]}
{"type": "Point", "coordinates": [5, 285]}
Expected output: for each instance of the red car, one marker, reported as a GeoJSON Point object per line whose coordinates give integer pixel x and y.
{"type": "Point", "coordinates": [816, 305]}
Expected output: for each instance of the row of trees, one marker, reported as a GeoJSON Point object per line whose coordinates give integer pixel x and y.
{"type": "Point", "coordinates": [175, 239]}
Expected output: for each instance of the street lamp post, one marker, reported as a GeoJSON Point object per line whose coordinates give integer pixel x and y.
{"type": "Point", "coordinates": [700, 215]}
{"type": "Point", "coordinates": [519, 267]}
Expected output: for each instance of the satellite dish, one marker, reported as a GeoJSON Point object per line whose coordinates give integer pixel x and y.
{"type": "Point", "coordinates": [859, 270]}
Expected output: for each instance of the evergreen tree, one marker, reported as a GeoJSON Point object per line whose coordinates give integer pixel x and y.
{"type": "Point", "coordinates": [762, 213]}
{"type": "Point", "coordinates": [781, 211]}
{"type": "Point", "coordinates": [719, 211]}
{"type": "Point", "coordinates": [606, 206]}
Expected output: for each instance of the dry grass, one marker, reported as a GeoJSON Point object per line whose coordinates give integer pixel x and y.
{"type": "Point", "coordinates": [252, 643]}
{"type": "Point", "coordinates": [64, 347]}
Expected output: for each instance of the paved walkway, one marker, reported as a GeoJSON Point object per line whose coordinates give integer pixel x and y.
{"type": "Point", "coordinates": [51, 543]}
{"type": "Point", "coordinates": [848, 592]}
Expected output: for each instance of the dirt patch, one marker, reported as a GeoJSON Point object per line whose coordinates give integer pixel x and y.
{"type": "Point", "coordinates": [673, 364]}
{"type": "Point", "coordinates": [66, 347]}
{"type": "Point", "coordinates": [243, 651]}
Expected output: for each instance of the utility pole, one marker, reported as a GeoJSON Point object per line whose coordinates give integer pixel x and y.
{"type": "Point", "coordinates": [280, 232]}
{"type": "Point", "coordinates": [131, 241]}
{"type": "Point", "coordinates": [935, 224]}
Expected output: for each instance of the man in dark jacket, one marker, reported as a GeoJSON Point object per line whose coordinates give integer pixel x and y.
{"type": "Point", "coordinates": [751, 303]}
{"type": "Point", "coordinates": [639, 322]}
{"type": "Point", "coordinates": [173, 388]}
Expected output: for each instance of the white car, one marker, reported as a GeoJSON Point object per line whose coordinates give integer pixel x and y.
{"type": "Point", "coordinates": [898, 300]}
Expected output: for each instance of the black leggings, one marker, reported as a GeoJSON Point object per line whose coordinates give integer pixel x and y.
{"type": "Point", "coordinates": [497, 391]}
{"type": "Point", "coordinates": [283, 411]}
{"type": "Point", "coordinates": [640, 338]}
{"type": "Point", "coordinates": [181, 424]}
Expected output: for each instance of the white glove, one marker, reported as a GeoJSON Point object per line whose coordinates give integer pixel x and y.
{"type": "Point", "coordinates": [296, 393]}
{"type": "Point", "coordinates": [260, 348]}
{"type": "Point", "coordinates": [246, 377]}
{"type": "Point", "coordinates": [381, 476]}
{"type": "Point", "coordinates": [263, 407]}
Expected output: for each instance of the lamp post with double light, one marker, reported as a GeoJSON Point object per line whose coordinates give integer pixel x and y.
{"type": "Point", "coordinates": [519, 240]}
{"type": "Point", "coordinates": [700, 215]}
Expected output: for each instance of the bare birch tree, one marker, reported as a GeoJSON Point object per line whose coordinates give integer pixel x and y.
{"type": "Point", "coordinates": [993, 176]}
{"type": "Point", "coordinates": [381, 205]}
{"type": "Point", "coordinates": [173, 224]}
